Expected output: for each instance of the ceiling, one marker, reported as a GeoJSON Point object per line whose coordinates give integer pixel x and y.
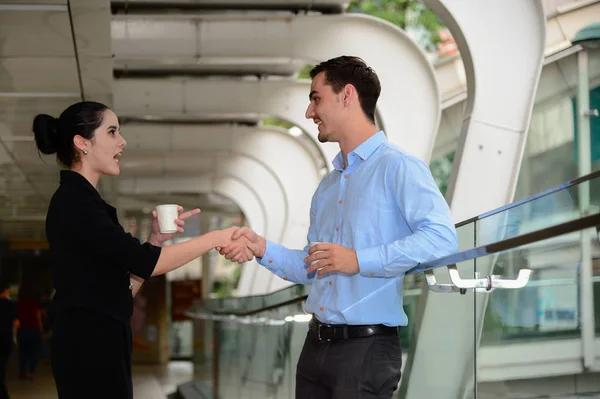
{"type": "Point", "coordinates": [56, 52]}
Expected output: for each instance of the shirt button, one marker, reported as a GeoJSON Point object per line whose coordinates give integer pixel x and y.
{"type": "Point", "coordinates": [337, 228]}
{"type": "Point", "coordinates": [340, 201]}
{"type": "Point", "coordinates": [321, 308]}
{"type": "Point", "coordinates": [270, 260]}
{"type": "Point", "coordinates": [345, 176]}
{"type": "Point", "coordinates": [371, 274]}
{"type": "Point", "coordinates": [130, 287]}
{"type": "Point", "coordinates": [330, 283]}
{"type": "Point", "coordinates": [285, 278]}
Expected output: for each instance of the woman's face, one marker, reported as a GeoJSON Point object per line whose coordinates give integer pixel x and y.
{"type": "Point", "coordinates": [106, 146]}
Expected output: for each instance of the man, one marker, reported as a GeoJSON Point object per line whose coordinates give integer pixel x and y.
{"type": "Point", "coordinates": [379, 214]}
{"type": "Point", "coordinates": [8, 321]}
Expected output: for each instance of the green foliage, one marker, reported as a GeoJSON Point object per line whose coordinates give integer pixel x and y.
{"type": "Point", "coordinates": [225, 287]}
{"type": "Point", "coordinates": [441, 169]}
{"type": "Point", "coordinates": [270, 121]}
{"type": "Point", "coordinates": [406, 14]}
{"type": "Point", "coordinates": [305, 72]}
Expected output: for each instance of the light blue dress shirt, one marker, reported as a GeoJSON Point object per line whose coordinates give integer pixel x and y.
{"type": "Point", "coordinates": [387, 207]}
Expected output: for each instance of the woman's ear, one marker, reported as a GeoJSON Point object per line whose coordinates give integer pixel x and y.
{"type": "Point", "coordinates": [80, 143]}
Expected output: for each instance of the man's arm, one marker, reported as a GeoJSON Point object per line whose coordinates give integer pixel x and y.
{"type": "Point", "coordinates": [427, 215]}
{"type": "Point", "coordinates": [286, 263]}
{"type": "Point", "coordinates": [281, 261]}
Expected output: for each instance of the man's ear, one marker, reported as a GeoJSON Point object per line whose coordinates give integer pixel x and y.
{"type": "Point", "coordinates": [349, 94]}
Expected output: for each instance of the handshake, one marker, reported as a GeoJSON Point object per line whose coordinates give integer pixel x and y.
{"type": "Point", "coordinates": [241, 245]}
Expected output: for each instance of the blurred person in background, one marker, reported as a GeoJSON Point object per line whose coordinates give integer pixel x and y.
{"type": "Point", "coordinates": [8, 322]}
{"type": "Point", "coordinates": [47, 320]}
{"type": "Point", "coordinates": [30, 332]}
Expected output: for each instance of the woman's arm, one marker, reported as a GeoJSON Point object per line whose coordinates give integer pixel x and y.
{"type": "Point", "coordinates": [136, 283]}
{"type": "Point", "coordinates": [177, 255]}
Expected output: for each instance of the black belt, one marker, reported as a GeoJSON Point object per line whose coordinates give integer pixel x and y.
{"type": "Point", "coordinates": [328, 332]}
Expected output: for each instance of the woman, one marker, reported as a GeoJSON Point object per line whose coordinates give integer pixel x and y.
{"type": "Point", "coordinates": [97, 266]}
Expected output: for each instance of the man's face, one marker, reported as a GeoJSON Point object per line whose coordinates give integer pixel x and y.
{"type": "Point", "coordinates": [325, 109]}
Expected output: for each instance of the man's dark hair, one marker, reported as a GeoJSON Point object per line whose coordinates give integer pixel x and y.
{"type": "Point", "coordinates": [344, 70]}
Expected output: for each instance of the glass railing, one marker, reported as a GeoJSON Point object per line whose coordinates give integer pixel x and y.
{"type": "Point", "coordinates": [255, 341]}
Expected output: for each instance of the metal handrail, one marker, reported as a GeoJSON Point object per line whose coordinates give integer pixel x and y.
{"type": "Point", "coordinates": [458, 285]}
{"type": "Point", "coordinates": [511, 243]}
{"type": "Point", "coordinates": [532, 198]}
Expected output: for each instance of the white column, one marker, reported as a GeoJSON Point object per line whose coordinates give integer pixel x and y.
{"type": "Point", "coordinates": [584, 164]}
{"type": "Point", "coordinates": [502, 71]}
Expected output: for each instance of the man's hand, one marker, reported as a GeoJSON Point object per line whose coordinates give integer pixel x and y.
{"type": "Point", "coordinates": [244, 253]}
{"type": "Point", "coordinates": [157, 238]}
{"type": "Point", "coordinates": [332, 258]}
{"type": "Point", "coordinates": [255, 243]}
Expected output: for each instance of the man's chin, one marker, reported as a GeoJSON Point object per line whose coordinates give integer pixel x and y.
{"type": "Point", "coordinates": [322, 138]}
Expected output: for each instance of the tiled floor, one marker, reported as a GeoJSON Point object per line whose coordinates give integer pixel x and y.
{"type": "Point", "coordinates": [149, 382]}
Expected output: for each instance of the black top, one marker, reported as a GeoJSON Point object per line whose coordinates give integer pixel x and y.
{"type": "Point", "coordinates": [8, 314]}
{"type": "Point", "coordinates": [91, 253]}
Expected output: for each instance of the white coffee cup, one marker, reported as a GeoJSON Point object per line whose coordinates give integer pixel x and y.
{"type": "Point", "coordinates": [167, 214]}
{"type": "Point", "coordinates": [312, 244]}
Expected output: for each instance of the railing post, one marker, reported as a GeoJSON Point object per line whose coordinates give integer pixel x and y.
{"type": "Point", "coordinates": [216, 357]}
{"type": "Point", "coordinates": [584, 164]}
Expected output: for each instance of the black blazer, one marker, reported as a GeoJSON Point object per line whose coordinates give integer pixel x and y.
{"type": "Point", "coordinates": [90, 252]}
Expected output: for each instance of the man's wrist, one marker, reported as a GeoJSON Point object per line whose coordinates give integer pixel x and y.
{"type": "Point", "coordinates": [262, 247]}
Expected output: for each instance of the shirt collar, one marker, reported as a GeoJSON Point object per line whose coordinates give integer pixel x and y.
{"type": "Point", "coordinates": [363, 151]}
{"type": "Point", "coordinates": [74, 179]}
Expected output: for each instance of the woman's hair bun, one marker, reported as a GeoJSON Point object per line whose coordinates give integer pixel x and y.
{"type": "Point", "coordinates": [45, 129]}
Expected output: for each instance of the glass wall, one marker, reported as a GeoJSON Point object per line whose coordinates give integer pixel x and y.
{"type": "Point", "coordinates": [550, 156]}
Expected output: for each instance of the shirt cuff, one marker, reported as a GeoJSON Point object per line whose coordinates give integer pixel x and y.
{"type": "Point", "coordinates": [369, 262]}
{"type": "Point", "coordinates": [272, 255]}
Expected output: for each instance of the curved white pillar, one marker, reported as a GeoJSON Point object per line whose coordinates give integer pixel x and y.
{"type": "Point", "coordinates": [291, 165]}
{"type": "Point", "coordinates": [409, 106]}
{"type": "Point", "coordinates": [502, 73]}
{"type": "Point", "coordinates": [246, 197]}
{"type": "Point", "coordinates": [229, 98]}
{"type": "Point", "coordinates": [247, 169]}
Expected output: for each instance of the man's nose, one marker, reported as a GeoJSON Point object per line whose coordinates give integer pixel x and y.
{"type": "Point", "coordinates": [309, 112]}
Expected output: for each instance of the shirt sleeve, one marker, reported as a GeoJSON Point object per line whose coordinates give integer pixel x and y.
{"type": "Point", "coordinates": [427, 215]}
{"type": "Point", "coordinates": [289, 263]}
{"type": "Point", "coordinates": [101, 236]}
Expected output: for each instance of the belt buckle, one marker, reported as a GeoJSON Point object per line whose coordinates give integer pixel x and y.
{"type": "Point", "coordinates": [319, 333]}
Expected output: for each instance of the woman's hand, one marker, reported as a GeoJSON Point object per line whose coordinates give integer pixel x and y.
{"type": "Point", "coordinates": [244, 252]}
{"type": "Point", "coordinates": [157, 238]}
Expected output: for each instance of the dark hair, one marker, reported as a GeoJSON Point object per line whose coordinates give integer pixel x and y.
{"type": "Point", "coordinates": [344, 70]}
{"type": "Point", "coordinates": [54, 135]}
